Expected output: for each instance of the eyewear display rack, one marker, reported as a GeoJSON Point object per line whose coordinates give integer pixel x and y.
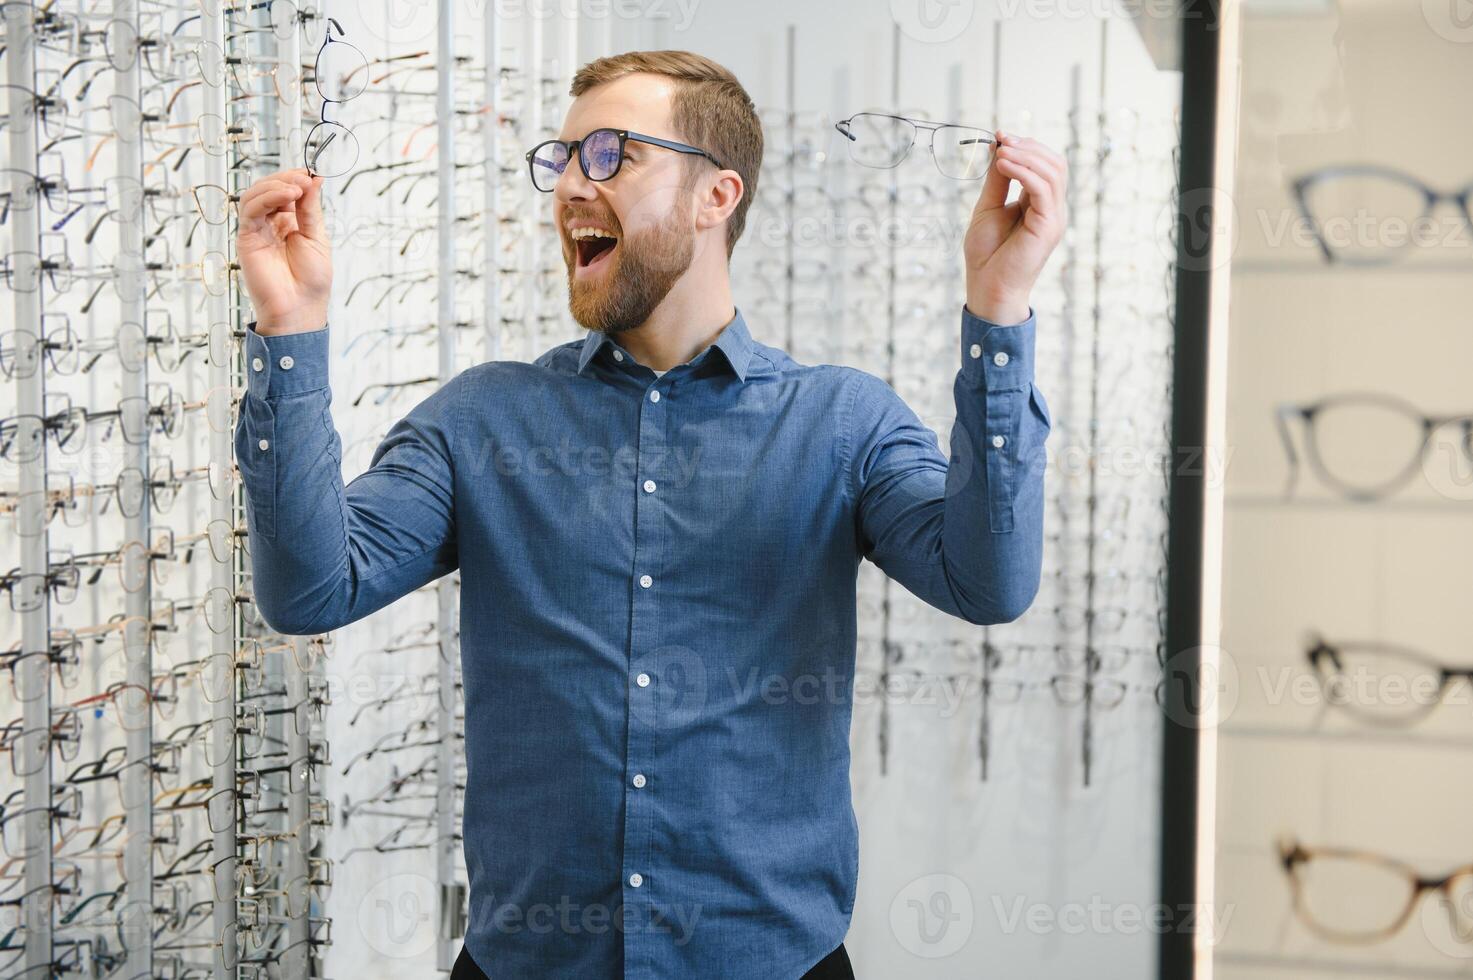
{"type": "Point", "coordinates": [449, 260]}
{"type": "Point", "coordinates": [882, 291]}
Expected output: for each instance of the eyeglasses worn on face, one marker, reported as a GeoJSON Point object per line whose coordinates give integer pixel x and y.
{"type": "Point", "coordinates": [600, 155]}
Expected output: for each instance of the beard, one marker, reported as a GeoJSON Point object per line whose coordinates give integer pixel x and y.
{"type": "Point", "coordinates": [643, 269]}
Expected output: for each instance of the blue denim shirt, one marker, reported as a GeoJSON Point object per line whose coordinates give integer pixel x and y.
{"type": "Point", "coordinates": [658, 614]}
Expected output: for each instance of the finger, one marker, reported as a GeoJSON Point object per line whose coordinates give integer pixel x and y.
{"type": "Point", "coordinates": [296, 176]}
{"type": "Point", "coordinates": [1041, 196]}
{"type": "Point", "coordinates": [1037, 157]}
{"type": "Point", "coordinates": [994, 186]}
{"type": "Point", "coordinates": [269, 200]}
{"type": "Point", "coordinates": [309, 210]}
{"type": "Point", "coordinates": [1039, 165]}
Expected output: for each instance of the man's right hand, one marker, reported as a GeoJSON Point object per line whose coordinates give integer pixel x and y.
{"type": "Point", "coordinates": [284, 253]}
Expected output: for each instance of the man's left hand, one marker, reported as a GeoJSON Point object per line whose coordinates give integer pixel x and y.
{"type": "Point", "coordinates": [1007, 244]}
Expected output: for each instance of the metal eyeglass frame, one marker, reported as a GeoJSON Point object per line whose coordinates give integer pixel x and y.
{"type": "Point", "coordinates": [310, 152]}
{"type": "Point", "coordinates": [624, 136]}
{"type": "Point", "coordinates": [845, 125]}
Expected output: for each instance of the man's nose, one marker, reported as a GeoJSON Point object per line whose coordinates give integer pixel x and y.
{"type": "Point", "coordinates": [572, 184]}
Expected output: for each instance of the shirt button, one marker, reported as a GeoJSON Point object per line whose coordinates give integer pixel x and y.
{"type": "Point", "coordinates": [286, 362]}
{"type": "Point", "coordinates": [618, 355]}
{"type": "Point", "coordinates": [1000, 358]}
{"type": "Point", "coordinates": [976, 350]}
{"type": "Point", "coordinates": [649, 486]}
{"type": "Point", "coordinates": [643, 680]}
{"type": "Point", "coordinates": [654, 396]}
{"type": "Point", "coordinates": [264, 444]}
{"type": "Point", "coordinates": [997, 441]}
{"type": "Point", "coordinates": [638, 779]}
{"type": "Point", "coordinates": [636, 879]}
{"type": "Point", "coordinates": [645, 581]}
{"type": "Point", "coordinates": [257, 364]}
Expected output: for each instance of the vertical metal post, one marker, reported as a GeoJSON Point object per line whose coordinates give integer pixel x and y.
{"type": "Point", "coordinates": [450, 892]}
{"type": "Point", "coordinates": [491, 134]}
{"type": "Point", "coordinates": [32, 753]}
{"type": "Point", "coordinates": [532, 66]}
{"type": "Point", "coordinates": [223, 811]}
{"type": "Point", "coordinates": [1097, 314]}
{"type": "Point", "coordinates": [136, 926]}
{"type": "Point", "coordinates": [297, 727]}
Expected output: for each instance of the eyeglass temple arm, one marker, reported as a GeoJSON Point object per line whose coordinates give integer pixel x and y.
{"type": "Point", "coordinates": [677, 147]}
{"type": "Point", "coordinates": [1281, 420]}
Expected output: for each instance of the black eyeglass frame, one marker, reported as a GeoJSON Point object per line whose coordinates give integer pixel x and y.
{"type": "Point", "coordinates": [1431, 198]}
{"type": "Point", "coordinates": [310, 152]}
{"type": "Point", "coordinates": [624, 136]}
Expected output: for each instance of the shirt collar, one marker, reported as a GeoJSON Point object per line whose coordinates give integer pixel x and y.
{"type": "Point", "coordinates": [734, 342]}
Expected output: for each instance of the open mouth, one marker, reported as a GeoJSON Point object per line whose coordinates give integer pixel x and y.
{"type": "Point", "coordinates": [592, 247]}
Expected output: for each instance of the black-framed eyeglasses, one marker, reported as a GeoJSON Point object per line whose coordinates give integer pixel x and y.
{"type": "Point", "coordinates": [881, 140]}
{"type": "Point", "coordinates": [1333, 199]}
{"type": "Point", "coordinates": [1367, 445]}
{"type": "Point", "coordinates": [1379, 682]}
{"type": "Point", "coordinates": [600, 155]}
{"type": "Point", "coordinates": [340, 73]}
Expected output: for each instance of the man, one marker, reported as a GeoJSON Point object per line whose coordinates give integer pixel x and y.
{"type": "Point", "coordinates": [658, 528]}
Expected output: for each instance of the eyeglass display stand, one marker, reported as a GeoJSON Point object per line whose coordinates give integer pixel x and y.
{"type": "Point", "coordinates": [135, 929]}
{"type": "Point", "coordinates": [791, 166]}
{"type": "Point", "coordinates": [1092, 489]}
{"type": "Point", "coordinates": [451, 894]}
{"type": "Point", "coordinates": [890, 651]}
{"type": "Point", "coordinates": [33, 756]}
{"type": "Point", "coordinates": [222, 316]}
{"type": "Point", "coordinates": [984, 722]}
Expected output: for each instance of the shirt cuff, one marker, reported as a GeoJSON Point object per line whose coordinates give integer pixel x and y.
{"type": "Point", "coordinates": [996, 357]}
{"type": "Point", "coordinates": [285, 364]}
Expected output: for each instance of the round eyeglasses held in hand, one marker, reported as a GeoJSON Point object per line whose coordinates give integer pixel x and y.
{"type": "Point", "coordinates": [881, 141]}
{"type": "Point", "coordinates": [340, 73]}
{"type": "Point", "coordinates": [600, 155]}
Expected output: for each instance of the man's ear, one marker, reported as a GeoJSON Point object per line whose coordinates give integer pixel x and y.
{"type": "Point", "coordinates": [723, 194]}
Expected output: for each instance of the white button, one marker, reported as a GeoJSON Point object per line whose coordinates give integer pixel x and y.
{"type": "Point", "coordinates": [654, 396]}
{"type": "Point", "coordinates": [264, 444]}
{"type": "Point", "coordinates": [618, 355]}
{"type": "Point", "coordinates": [286, 362]}
{"type": "Point", "coordinates": [645, 581]}
{"type": "Point", "coordinates": [638, 779]}
{"type": "Point", "coordinates": [998, 441]}
{"type": "Point", "coordinates": [257, 364]}
{"type": "Point", "coordinates": [649, 486]}
{"type": "Point", "coordinates": [976, 350]}
{"type": "Point", "coordinates": [1000, 358]}
{"type": "Point", "coordinates": [636, 879]}
{"type": "Point", "coordinates": [643, 680]}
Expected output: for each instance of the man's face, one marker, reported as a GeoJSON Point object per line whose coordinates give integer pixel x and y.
{"type": "Point", "coordinates": [642, 219]}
